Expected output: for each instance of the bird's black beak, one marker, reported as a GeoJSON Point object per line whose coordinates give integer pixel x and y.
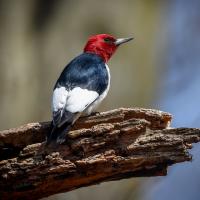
{"type": "Point", "coordinates": [122, 40]}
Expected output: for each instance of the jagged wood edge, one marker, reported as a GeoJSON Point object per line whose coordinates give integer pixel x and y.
{"type": "Point", "coordinates": [114, 149]}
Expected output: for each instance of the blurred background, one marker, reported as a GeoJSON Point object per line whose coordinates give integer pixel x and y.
{"type": "Point", "coordinates": [159, 69]}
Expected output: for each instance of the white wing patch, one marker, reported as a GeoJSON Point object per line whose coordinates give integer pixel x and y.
{"type": "Point", "coordinates": [79, 99]}
{"type": "Point", "coordinates": [59, 98]}
{"type": "Point", "coordinates": [75, 100]}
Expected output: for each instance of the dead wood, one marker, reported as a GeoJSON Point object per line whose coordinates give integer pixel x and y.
{"type": "Point", "coordinates": [112, 145]}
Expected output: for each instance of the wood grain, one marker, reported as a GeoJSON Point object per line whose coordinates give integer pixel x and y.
{"type": "Point", "coordinates": [122, 143]}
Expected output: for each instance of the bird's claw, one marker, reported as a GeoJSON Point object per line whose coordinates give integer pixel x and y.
{"type": "Point", "coordinates": [95, 114]}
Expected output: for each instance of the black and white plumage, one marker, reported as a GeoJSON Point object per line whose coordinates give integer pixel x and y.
{"type": "Point", "coordinates": [81, 87]}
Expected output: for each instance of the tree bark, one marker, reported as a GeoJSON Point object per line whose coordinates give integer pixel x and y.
{"type": "Point", "coordinates": [112, 145]}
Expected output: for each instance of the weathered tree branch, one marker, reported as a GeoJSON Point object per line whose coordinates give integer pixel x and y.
{"type": "Point", "coordinates": [118, 144]}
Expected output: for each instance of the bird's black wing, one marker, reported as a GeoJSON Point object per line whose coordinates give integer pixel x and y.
{"type": "Point", "coordinates": [80, 84]}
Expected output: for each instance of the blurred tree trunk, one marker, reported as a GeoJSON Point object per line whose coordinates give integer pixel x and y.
{"type": "Point", "coordinates": [38, 38]}
{"type": "Point", "coordinates": [18, 64]}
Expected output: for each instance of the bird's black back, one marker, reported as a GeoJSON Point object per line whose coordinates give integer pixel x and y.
{"type": "Point", "coordinates": [87, 71]}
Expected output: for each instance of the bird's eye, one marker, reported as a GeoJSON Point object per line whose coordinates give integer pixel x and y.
{"type": "Point", "coordinates": [108, 40]}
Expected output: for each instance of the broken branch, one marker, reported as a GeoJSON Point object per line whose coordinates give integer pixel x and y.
{"type": "Point", "coordinates": [112, 145]}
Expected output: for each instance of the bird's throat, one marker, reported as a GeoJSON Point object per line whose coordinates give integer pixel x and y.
{"type": "Point", "coordinates": [105, 55]}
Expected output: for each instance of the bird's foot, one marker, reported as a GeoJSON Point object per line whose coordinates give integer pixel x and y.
{"type": "Point", "coordinates": [60, 140]}
{"type": "Point", "coordinates": [95, 114]}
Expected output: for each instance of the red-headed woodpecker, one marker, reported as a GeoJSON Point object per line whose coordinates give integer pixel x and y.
{"type": "Point", "coordinates": [82, 85]}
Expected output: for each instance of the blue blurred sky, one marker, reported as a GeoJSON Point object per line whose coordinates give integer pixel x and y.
{"type": "Point", "coordinates": [181, 97]}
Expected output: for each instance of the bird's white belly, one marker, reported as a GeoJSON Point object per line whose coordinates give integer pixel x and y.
{"type": "Point", "coordinates": [97, 102]}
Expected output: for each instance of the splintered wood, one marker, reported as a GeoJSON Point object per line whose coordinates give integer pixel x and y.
{"type": "Point", "coordinates": [122, 143]}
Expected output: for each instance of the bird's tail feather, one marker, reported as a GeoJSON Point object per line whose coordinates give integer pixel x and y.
{"type": "Point", "coordinates": [62, 135]}
{"type": "Point", "coordinates": [58, 134]}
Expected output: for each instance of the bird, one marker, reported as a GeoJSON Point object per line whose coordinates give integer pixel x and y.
{"type": "Point", "coordinates": [82, 85]}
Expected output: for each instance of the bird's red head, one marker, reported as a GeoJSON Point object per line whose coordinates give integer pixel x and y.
{"type": "Point", "coordinates": [104, 45]}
